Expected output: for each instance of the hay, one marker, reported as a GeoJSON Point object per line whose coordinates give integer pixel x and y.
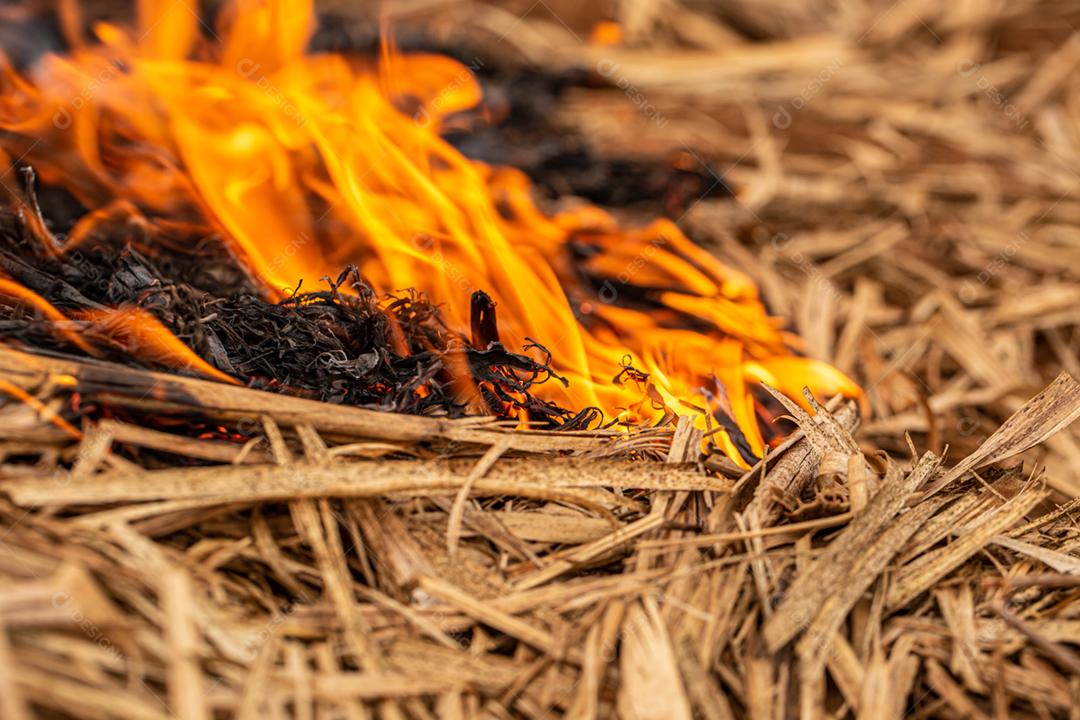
{"type": "Point", "coordinates": [316, 581]}
{"type": "Point", "coordinates": [906, 194]}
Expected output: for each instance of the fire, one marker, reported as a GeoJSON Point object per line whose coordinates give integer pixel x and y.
{"type": "Point", "coordinates": [13, 292]}
{"type": "Point", "coordinates": [142, 335]}
{"type": "Point", "coordinates": [310, 162]}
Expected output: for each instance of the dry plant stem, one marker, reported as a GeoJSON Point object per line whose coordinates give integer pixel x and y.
{"type": "Point", "coordinates": [123, 385]}
{"type": "Point", "coordinates": [790, 473]}
{"type": "Point", "coordinates": [576, 480]}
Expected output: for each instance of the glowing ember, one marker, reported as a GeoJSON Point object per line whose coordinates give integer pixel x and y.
{"type": "Point", "coordinates": [309, 162]}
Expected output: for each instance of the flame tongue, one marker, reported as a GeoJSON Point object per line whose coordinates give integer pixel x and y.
{"type": "Point", "coordinates": [307, 163]}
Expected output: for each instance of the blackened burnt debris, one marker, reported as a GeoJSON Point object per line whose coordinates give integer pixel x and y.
{"type": "Point", "coordinates": [340, 343]}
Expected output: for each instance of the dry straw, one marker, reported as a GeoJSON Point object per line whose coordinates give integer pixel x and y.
{"type": "Point", "coordinates": [907, 195]}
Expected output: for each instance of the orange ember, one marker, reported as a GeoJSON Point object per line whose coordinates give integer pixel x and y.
{"type": "Point", "coordinates": [309, 162]}
{"type": "Point", "coordinates": [606, 32]}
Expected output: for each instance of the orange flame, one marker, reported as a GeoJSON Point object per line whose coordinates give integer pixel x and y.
{"type": "Point", "coordinates": [14, 291]}
{"type": "Point", "coordinates": [49, 414]}
{"type": "Point", "coordinates": [308, 162]}
{"type": "Point", "coordinates": [143, 336]}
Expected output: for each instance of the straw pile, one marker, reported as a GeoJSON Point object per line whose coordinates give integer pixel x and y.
{"type": "Point", "coordinates": [308, 572]}
{"type": "Point", "coordinates": [906, 194]}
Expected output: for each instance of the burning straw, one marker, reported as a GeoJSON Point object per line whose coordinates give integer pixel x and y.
{"type": "Point", "coordinates": [181, 548]}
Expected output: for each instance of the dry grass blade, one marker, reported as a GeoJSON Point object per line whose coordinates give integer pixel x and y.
{"type": "Point", "coordinates": [1060, 562]}
{"type": "Point", "coordinates": [1047, 413]}
{"type": "Point", "coordinates": [453, 531]}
